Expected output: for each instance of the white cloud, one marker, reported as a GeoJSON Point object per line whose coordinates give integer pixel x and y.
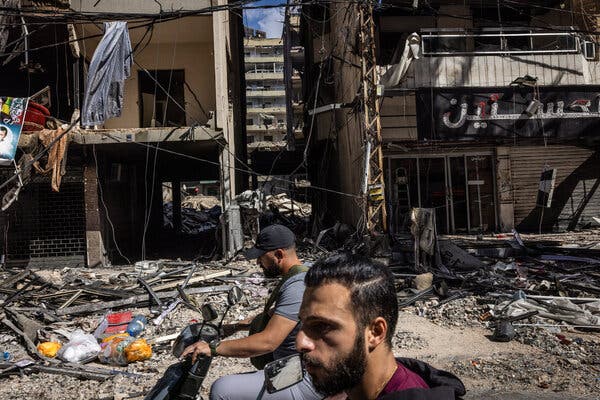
{"type": "Point", "coordinates": [269, 20]}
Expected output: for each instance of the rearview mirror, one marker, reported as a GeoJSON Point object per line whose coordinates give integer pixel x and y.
{"type": "Point", "coordinates": [208, 312]}
{"type": "Point", "coordinates": [283, 373]}
{"type": "Point", "coordinates": [234, 296]}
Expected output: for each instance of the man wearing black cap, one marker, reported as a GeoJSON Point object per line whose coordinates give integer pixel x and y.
{"type": "Point", "coordinates": [273, 332]}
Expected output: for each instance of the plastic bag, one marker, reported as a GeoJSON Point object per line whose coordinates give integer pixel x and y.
{"type": "Point", "coordinates": [81, 346]}
{"type": "Point", "coordinates": [124, 350]}
{"type": "Point", "coordinates": [113, 352]}
{"type": "Point", "coordinates": [138, 350]}
{"type": "Point", "coordinates": [113, 337]}
{"type": "Point", "coordinates": [49, 349]}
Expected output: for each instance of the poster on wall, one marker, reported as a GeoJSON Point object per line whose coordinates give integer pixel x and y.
{"type": "Point", "coordinates": [12, 116]}
{"type": "Point", "coordinates": [508, 112]}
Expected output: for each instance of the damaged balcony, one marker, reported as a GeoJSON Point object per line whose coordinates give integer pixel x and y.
{"type": "Point", "coordinates": [163, 92]}
{"type": "Point", "coordinates": [492, 57]}
{"type": "Point", "coordinates": [169, 127]}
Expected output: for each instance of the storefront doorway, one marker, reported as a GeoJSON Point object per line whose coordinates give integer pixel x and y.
{"type": "Point", "coordinates": [460, 187]}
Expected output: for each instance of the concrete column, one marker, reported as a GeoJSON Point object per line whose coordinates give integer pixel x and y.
{"type": "Point", "coordinates": [224, 51]}
{"type": "Point", "coordinates": [93, 235]}
{"type": "Point", "coordinates": [506, 209]}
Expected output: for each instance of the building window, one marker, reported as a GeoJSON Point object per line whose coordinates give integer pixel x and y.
{"type": "Point", "coordinates": [249, 121]}
{"type": "Point", "coordinates": [250, 139]}
{"type": "Point", "coordinates": [156, 108]}
{"type": "Point", "coordinates": [280, 121]}
{"type": "Point", "coordinates": [268, 138]}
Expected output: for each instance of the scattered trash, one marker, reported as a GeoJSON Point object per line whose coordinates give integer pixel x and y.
{"type": "Point", "coordinates": [138, 350]}
{"type": "Point", "coordinates": [49, 349]}
{"type": "Point", "coordinates": [137, 325]}
{"type": "Point", "coordinates": [80, 348]}
{"type": "Point", "coordinates": [113, 351]}
{"type": "Point", "coordinates": [122, 350]}
{"type": "Point", "coordinates": [504, 332]}
{"type": "Point", "coordinates": [117, 322]}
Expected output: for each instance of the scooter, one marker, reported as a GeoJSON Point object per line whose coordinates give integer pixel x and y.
{"type": "Point", "coordinates": [182, 381]}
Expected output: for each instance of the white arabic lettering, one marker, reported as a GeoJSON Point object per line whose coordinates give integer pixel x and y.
{"type": "Point", "coordinates": [535, 109]}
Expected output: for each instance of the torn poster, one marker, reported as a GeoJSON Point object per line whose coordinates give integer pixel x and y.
{"type": "Point", "coordinates": [12, 116]}
{"type": "Point", "coordinates": [546, 188]}
{"type": "Point", "coordinates": [110, 66]}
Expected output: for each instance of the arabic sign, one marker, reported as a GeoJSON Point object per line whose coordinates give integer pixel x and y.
{"type": "Point", "coordinates": [564, 112]}
{"type": "Point", "coordinates": [12, 116]}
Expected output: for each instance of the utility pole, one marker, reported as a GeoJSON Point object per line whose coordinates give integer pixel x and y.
{"type": "Point", "coordinates": [373, 184]}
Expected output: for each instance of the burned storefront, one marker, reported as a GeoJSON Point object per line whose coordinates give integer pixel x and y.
{"type": "Point", "coordinates": [481, 147]}
{"type": "Point", "coordinates": [147, 136]}
{"type": "Point", "coordinates": [476, 116]}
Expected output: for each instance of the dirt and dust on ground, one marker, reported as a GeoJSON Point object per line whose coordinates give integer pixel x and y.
{"type": "Point", "coordinates": [453, 329]}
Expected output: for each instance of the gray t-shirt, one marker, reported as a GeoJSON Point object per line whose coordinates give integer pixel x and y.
{"type": "Point", "coordinates": [288, 305]}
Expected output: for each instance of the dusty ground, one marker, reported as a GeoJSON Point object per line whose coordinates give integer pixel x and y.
{"type": "Point", "coordinates": [451, 337]}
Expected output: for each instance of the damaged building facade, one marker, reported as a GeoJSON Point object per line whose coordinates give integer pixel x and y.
{"type": "Point", "coordinates": [150, 168]}
{"type": "Point", "coordinates": [489, 113]}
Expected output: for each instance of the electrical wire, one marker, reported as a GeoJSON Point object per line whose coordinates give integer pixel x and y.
{"type": "Point", "coordinates": [216, 163]}
{"type": "Point", "coordinates": [168, 16]}
{"type": "Point", "coordinates": [316, 98]}
{"type": "Point", "coordinates": [106, 213]}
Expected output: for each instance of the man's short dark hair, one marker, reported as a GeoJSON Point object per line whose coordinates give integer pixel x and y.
{"type": "Point", "coordinates": [4, 129]}
{"type": "Point", "coordinates": [371, 285]}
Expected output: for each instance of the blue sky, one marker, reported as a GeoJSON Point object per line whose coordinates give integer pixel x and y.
{"type": "Point", "coordinates": [269, 20]}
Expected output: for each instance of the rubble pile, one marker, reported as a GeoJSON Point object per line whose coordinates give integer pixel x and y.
{"type": "Point", "coordinates": [525, 372]}
{"type": "Point", "coordinates": [461, 312]}
{"type": "Point", "coordinates": [540, 292]}
{"type": "Point", "coordinates": [407, 340]}
{"type": "Point", "coordinates": [49, 305]}
{"type": "Point", "coordinates": [74, 307]}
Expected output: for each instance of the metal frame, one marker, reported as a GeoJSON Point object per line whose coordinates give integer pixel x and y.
{"type": "Point", "coordinates": [500, 35]}
{"type": "Point", "coordinates": [450, 219]}
{"type": "Point", "coordinates": [375, 208]}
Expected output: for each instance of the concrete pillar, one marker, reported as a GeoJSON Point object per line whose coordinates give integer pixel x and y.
{"type": "Point", "coordinates": [506, 209]}
{"type": "Point", "coordinates": [227, 105]}
{"type": "Point", "coordinates": [93, 235]}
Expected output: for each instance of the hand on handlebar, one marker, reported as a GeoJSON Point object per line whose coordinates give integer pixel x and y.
{"type": "Point", "coordinates": [197, 349]}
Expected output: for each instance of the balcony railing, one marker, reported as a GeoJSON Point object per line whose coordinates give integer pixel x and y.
{"type": "Point", "coordinates": [265, 93]}
{"type": "Point", "coordinates": [277, 128]}
{"type": "Point", "coordinates": [266, 110]}
{"type": "Point", "coordinates": [496, 58]}
{"type": "Point", "coordinates": [495, 41]}
{"type": "Point", "coordinates": [263, 59]}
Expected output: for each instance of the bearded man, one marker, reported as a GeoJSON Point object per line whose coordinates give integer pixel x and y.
{"type": "Point", "coordinates": [272, 332]}
{"type": "Point", "coordinates": [348, 318]}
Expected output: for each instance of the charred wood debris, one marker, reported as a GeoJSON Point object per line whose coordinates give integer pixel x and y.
{"type": "Point", "coordinates": [532, 288]}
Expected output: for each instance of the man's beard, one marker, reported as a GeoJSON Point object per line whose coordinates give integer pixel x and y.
{"type": "Point", "coordinates": [344, 373]}
{"type": "Point", "coordinates": [271, 271]}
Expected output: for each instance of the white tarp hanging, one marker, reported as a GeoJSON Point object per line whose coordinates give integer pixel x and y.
{"type": "Point", "coordinates": [396, 72]}
{"type": "Point", "coordinates": [110, 66]}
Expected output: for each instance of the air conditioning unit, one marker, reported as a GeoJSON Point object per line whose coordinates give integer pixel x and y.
{"type": "Point", "coordinates": [589, 49]}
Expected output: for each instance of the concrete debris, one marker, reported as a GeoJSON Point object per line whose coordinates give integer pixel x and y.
{"type": "Point", "coordinates": [463, 308]}
{"type": "Point", "coordinates": [286, 206]}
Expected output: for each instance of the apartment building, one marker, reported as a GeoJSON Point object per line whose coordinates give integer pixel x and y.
{"type": "Point", "coordinates": [489, 113]}
{"type": "Point", "coordinates": [266, 109]}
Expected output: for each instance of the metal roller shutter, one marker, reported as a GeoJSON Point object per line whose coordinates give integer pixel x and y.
{"type": "Point", "coordinates": [578, 169]}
